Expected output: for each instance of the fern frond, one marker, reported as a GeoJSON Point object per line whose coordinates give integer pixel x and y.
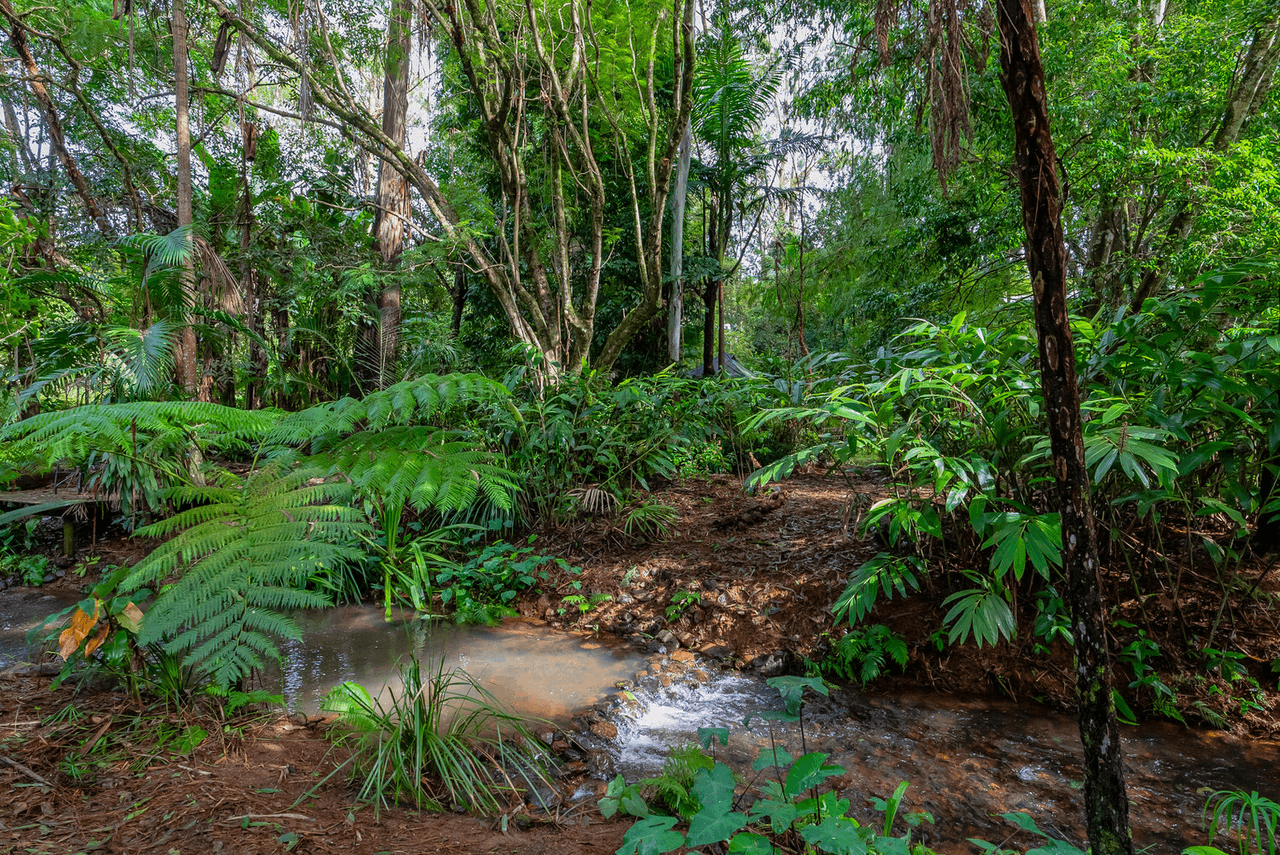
{"type": "Point", "coordinates": [409, 402]}
{"type": "Point", "coordinates": [243, 558]}
{"type": "Point", "coordinates": [427, 467]}
{"type": "Point", "coordinates": [134, 429]}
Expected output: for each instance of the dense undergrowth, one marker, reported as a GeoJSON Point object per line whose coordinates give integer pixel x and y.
{"type": "Point", "coordinates": [421, 495]}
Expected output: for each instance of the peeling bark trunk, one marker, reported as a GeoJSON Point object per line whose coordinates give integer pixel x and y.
{"type": "Point", "coordinates": [249, 278]}
{"type": "Point", "coordinates": [185, 345]}
{"type": "Point", "coordinates": [1022, 75]}
{"type": "Point", "coordinates": [393, 205]}
{"type": "Point", "coordinates": [679, 195]}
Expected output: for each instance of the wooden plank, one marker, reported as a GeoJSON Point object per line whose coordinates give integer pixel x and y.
{"type": "Point", "coordinates": [46, 496]}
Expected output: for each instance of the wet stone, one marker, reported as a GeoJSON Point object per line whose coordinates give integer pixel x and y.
{"type": "Point", "coordinates": [604, 730]}
{"type": "Point", "coordinates": [683, 656]}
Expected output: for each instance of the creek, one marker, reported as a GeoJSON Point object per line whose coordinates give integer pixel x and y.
{"type": "Point", "coordinates": [967, 758]}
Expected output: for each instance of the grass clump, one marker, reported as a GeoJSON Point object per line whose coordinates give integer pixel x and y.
{"type": "Point", "coordinates": [442, 742]}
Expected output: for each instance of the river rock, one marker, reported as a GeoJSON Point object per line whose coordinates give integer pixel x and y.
{"type": "Point", "coordinates": [604, 730]}
{"type": "Point", "coordinates": [770, 665]}
{"type": "Point", "coordinates": [683, 656]}
{"type": "Point", "coordinates": [715, 651]}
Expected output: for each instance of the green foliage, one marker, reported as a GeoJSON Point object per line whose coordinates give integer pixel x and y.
{"type": "Point", "coordinates": [136, 453]}
{"type": "Point", "coordinates": [981, 612]}
{"type": "Point", "coordinates": [787, 797]}
{"type": "Point", "coordinates": [650, 520]}
{"type": "Point", "coordinates": [1178, 422]}
{"type": "Point", "coordinates": [589, 438]}
{"type": "Point", "coordinates": [242, 553]}
{"type": "Point", "coordinates": [1052, 621]}
{"type": "Point", "coordinates": [1253, 820]}
{"type": "Point", "coordinates": [389, 448]}
{"type": "Point", "coordinates": [442, 741]}
{"type": "Point", "coordinates": [483, 588]}
{"type": "Point", "coordinates": [1025, 823]}
{"type": "Point", "coordinates": [681, 601]}
{"type": "Point", "coordinates": [862, 654]}
{"type": "Point", "coordinates": [885, 574]}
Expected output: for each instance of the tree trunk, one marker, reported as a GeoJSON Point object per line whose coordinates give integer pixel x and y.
{"type": "Point", "coordinates": [1022, 75]}
{"type": "Point", "coordinates": [249, 277]}
{"type": "Point", "coordinates": [184, 350]}
{"type": "Point", "coordinates": [709, 292]}
{"type": "Point", "coordinates": [393, 202]}
{"type": "Point", "coordinates": [679, 195]}
{"type": "Point", "coordinates": [379, 341]}
{"type": "Point", "coordinates": [459, 299]}
{"type": "Point", "coordinates": [720, 351]}
{"type": "Point", "coordinates": [57, 137]}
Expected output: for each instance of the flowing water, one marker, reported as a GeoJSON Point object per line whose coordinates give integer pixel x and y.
{"type": "Point", "coordinates": [967, 758]}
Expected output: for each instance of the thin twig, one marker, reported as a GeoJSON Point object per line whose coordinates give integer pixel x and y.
{"type": "Point", "coordinates": [9, 761]}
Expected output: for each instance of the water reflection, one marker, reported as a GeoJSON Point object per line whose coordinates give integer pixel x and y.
{"type": "Point", "coordinates": [533, 670]}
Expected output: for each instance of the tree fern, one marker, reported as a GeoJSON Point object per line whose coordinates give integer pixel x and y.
{"type": "Point", "coordinates": [127, 428]}
{"type": "Point", "coordinates": [242, 554]}
{"type": "Point", "coordinates": [409, 402]}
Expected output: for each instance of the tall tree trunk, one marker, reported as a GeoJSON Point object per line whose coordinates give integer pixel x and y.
{"type": "Point", "coordinates": [459, 299]}
{"type": "Point", "coordinates": [184, 351]}
{"type": "Point", "coordinates": [1022, 75]}
{"type": "Point", "coordinates": [57, 137]}
{"type": "Point", "coordinates": [248, 275]}
{"type": "Point", "coordinates": [391, 205]}
{"type": "Point", "coordinates": [720, 351]}
{"type": "Point", "coordinates": [710, 290]}
{"type": "Point", "coordinates": [679, 195]}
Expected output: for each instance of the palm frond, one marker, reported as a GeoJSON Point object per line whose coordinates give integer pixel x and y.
{"type": "Point", "coordinates": [147, 354]}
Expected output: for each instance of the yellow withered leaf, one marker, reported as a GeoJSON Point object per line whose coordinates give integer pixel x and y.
{"type": "Point", "coordinates": [96, 642]}
{"type": "Point", "coordinates": [82, 623]}
{"type": "Point", "coordinates": [131, 618]}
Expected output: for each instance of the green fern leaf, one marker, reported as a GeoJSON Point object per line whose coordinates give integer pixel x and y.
{"type": "Point", "coordinates": [242, 559]}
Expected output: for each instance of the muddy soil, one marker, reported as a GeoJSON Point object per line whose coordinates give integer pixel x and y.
{"type": "Point", "coordinates": [748, 580]}
{"type": "Point", "coordinates": [766, 569]}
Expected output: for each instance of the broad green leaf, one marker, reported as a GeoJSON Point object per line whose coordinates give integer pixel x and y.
{"type": "Point", "coordinates": [809, 771]}
{"type": "Point", "coordinates": [749, 843]}
{"type": "Point", "coordinates": [651, 836]}
{"type": "Point", "coordinates": [836, 835]}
